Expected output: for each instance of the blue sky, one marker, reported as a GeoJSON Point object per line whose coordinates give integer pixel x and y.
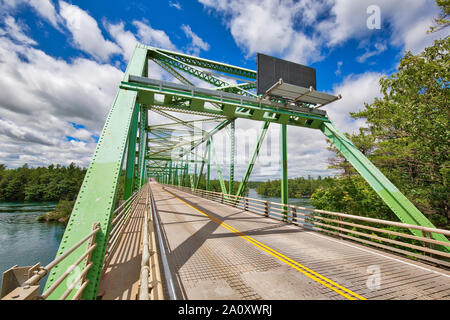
{"type": "Point", "coordinates": [61, 62]}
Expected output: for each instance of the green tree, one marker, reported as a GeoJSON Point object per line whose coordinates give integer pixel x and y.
{"type": "Point", "coordinates": [443, 20]}
{"type": "Point", "coordinates": [407, 138]}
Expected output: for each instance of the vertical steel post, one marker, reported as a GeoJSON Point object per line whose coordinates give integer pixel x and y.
{"type": "Point", "coordinates": [223, 187]}
{"type": "Point", "coordinates": [131, 154]}
{"type": "Point", "coordinates": [142, 145]}
{"type": "Point", "coordinates": [186, 173]}
{"type": "Point", "coordinates": [202, 166]}
{"type": "Point", "coordinates": [208, 171]}
{"type": "Point", "coordinates": [195, 167]}
{"type": "Point", "coordinates": [232, 154]}
{"type": "Point", "coordinates": [284, 170]}
{"type": "Point", "coordinates": [252, 161]}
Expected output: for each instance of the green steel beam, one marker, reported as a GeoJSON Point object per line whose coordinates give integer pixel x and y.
{"type": "Point", "coordinates": [284, 170]}
{"type": "Point", "coordinates": [208, 64]}
{"type": "Point", "coordinates": [195, 168]}
{"type": "Point", "coordinates": [142, 145]}
{"type": "Point", "coordinates": [185, 174]}
{"type": "Point", "coordinates": [131, 158]}
{"type": "Point", "coordinates": [171, 172]}
{"type": "Point", "coordinates": [181, 122]}
{"type": "Point", "coordinates": [231, 105]}
{"type": "Point", "coordinates": [191, 180]}
{"type": "Point", "coordinates": [219, 170]}
{"type": "Point", "coordinates": [196, 72]}
{"type": "Point", "coordinates": [399, 204]}
{"type": "Point", "coordinates": [95, 200]}
{"type": "Point", "coordinates": [173, 72]}
{"type": "Point", "coordinates": [232, 154]}
{"type": "Point", "coordinates": [208, 171]}
{"type": "Point", "coordinates": [165, 125]}
{"type": "Point", "coordinates": [252, 161]}
{"type": "Point", "coordinates": [168, 158]}
{"type": "Point", "coordinates": [202, 166]}
{"type": "Point", "coordinates": [245, 86]}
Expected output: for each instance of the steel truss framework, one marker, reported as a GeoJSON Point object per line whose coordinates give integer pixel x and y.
{"type": "Point", "coordinates": [169, 152]}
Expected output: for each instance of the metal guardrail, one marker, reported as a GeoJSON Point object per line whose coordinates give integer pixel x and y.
{"type": "Point", "coordinates": [120, 219]}
{"type": "Point", "coordinates": [369, 231]}
{"type": "Point", "coordinates": [12, 289]}
{"type": "Point", "coordinates": [144, 291]}
{"type": "Point", "coordinates": [22, 282]}
{"type": "Point", "coordinates": [161, 247]}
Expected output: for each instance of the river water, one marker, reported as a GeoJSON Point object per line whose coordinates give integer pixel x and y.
{"type": "Point", "coordinates": [302, 202]}
{"type": "Point", "coordinates": [25, 241]}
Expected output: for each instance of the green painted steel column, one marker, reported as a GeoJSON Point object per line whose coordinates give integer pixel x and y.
{"type": "Point", "coordinates": [208, 168]}
{"type": "Point", "coordinates": [252, 161]}
{"type": "Point", "coordinates": [186, 172]}
{"type": "Point", "coordinates": [142, 145]}
{"type": "Point", "coordinates": [399, 204]}
{"type": "Point", "coordinates": [97, 195]}
{"type": "Point", "coordinates": [202, 166]}
{"type": "Point", "coordinates": [131, 155]}
{"type": "Point", "coordinates": [223, 187]}
{"type": "Point", "coordinates": [232, 154]}
{"type": "Point", "coordinates": [284, 170]}
{"type": "Point", "coordinates": [195, 167]}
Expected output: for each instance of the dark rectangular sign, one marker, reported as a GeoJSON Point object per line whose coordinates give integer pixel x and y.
{"type": "Point", "coordinates": [271, 69]}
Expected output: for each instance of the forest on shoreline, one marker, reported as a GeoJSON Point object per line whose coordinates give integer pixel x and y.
{"type": "Point", "coordinates": [52, 183]}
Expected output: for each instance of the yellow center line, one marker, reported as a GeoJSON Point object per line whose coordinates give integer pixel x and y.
{"type": "Point", "coordinates": [294, 264]}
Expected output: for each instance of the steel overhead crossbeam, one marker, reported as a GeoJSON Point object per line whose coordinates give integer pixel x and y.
{"type": "Point", "coordinates": [198, 73]}
{"type": "Point", "coordinates": [181, 122]}
{"type": "Point", "coordinates": [175, 124]}
{"type": "Point", "coordinates": [232, 105]}
{"type": "Point", "coordinates": [207, 64]}
{"type": "Point", "coordinates": [172, 71]}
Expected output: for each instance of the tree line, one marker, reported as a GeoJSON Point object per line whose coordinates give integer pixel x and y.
{"type": "Point", "coordinates": [52, 183]}
{"type": "Point", "coordinates": [297, 188]}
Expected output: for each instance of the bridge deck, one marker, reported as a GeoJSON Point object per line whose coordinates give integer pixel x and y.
{"type": "Point", "coordinates": [220, 252]}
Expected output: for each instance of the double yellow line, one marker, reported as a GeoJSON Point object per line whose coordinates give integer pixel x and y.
{"type": "Point", "coordinates": [294, 264]}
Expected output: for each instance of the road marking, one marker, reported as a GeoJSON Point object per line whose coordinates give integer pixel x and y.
{"type": "Point", "coordinates": [294, 264]}
{"type": "Point", "coordinates": [382, 255]}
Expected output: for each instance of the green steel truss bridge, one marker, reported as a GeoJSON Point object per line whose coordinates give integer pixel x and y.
{"type": "Point", "coordinates": [169, 239]}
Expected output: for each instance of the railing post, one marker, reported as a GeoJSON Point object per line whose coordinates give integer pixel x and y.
{"type": "Point", "coordinates": [266, 208]}
{"type": "Point", "coordinates": [284, 171]}
{"type": "Point", "coordinates": [246, 204]}
{"type": "Point", "coordinates": [340, 226]}
{"type": "Point", "coordinates": [221, 197]}
{"type": "Point", "coordinates": [427, 234]}
{"type": "Point", "coordinates": [294, 214]}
